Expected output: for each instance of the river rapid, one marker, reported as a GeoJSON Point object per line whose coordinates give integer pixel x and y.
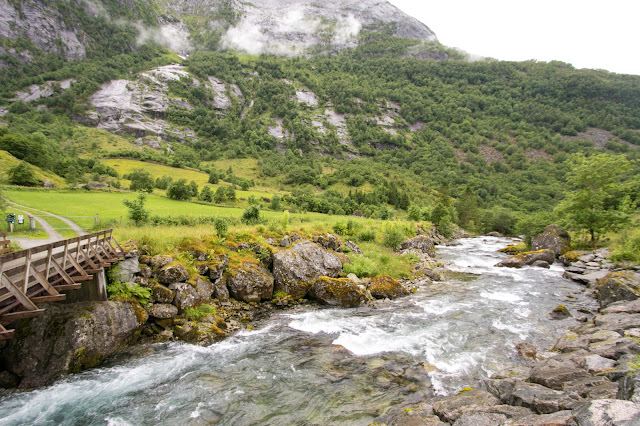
{"type": "Point", "coordinates": [327, 366]}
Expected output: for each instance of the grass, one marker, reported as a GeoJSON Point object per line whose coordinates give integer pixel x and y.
{"type": "Point", "coordinates": [8, 161]}
{"type": "Point", "coordinates": [89, 141]}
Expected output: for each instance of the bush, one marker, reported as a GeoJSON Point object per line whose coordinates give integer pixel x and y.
{"type": "Point", "coordinates": [393, 237]}
{"type": "Point", "coordinates": [340, 228]}
{"type": "Point", "coordinates": [222, 227]}
{"type": "Point", "coordinates": [179, 190]}
{"type": "Point", "coordinates": [137, 212]}
{"type": "Point", "coordinates": [23, 175]}
{"type": "Point", "coordinates": [251, 215]}
{"type": "Point", "coordinates": [141, 180]}
{"type": "Point", "coordinates": [194, 314]}
{"type": "Point", "coordinates": [627, 249]}
{"type": "Point", "coordinates": [367, 235]}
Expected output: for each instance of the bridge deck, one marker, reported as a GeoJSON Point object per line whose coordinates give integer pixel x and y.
{"type": "Point", "coordinates": [34, 276]}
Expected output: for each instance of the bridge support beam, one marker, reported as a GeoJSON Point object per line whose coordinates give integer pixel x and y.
{"type": "Point", "coordinates": [94, 290]}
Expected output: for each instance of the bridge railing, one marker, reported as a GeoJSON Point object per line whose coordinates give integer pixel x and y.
{"type": "Point", "coordinates": [39, 274]}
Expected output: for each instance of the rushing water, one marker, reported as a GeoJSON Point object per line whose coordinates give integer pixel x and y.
{"type": "Point", "coordinates": [327, 366]}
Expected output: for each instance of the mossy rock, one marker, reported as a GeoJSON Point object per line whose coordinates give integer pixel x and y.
{"type": "Point", "coordinates": [618, 286]}
{"type": "Point", "coordinates": [511, 250]}
{"type": "Point", "coordinates": [386, 287]}
{"type": "Point", "coordinates": [162, 294]}
{"type": "Point", "coordinates": [338, 292]}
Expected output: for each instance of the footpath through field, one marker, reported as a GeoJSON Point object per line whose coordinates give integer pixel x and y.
{"type": "Point", "coordinates": [54, 235]}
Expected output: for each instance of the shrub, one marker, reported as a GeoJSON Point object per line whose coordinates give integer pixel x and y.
{"type": "Point", "coordinates": [23, 175]}
{"type": "Point", "coordinates": [251, 215]}
{"type": "Point", "coordinates": [194, 314]}
{"type": "Point", "coordinates": [137, 212]}
{"type": "Point", "coordinates": [627, 249]}
{"type": "Point", "coordinates": [393, 237]}
{"type": "Point", "coordinates": [221, 226]}
{"type": "Point", "coordinates": [367, 235]}
{"type": "Point", "coordinates": [340, 228]}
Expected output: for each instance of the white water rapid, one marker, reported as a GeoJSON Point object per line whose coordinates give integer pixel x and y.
{"type": "Point", "coordinates": [326, 366]}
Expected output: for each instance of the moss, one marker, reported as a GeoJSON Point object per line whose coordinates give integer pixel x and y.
{"type": "Point", "coordinates": [140, 313]}
{"type": "Point", "coordinates": [83, 360]}
{"type": "Point", "coordinates": [467, 389]}
{"type": "Point", "coordinates": [572, 256]}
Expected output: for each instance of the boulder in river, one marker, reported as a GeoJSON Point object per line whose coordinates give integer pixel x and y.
{"type": "Point", "coordinates": [337, 292]}
{"type": "Point", "coordinates": [528, 258]}
{"type": "Point", "coordinates": [553, 238]}
{"type": "Point", "coordinates": [297, 268]}
{"type": "Point", "coordinates": [385, 287]}
{"type": "Point", "coordinates": [69, 338]}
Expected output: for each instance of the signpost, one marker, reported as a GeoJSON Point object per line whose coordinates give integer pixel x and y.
{"type": "Point", "coordinates": [11, 219]}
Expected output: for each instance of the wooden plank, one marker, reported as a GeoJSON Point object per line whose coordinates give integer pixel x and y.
{"type": "Point", "coordinates": [27, 269]}
{"type": "Point", "coordinates": [19, 295]}
{"type": "Point", "coordinates": [68, 287]}
{"type": "Point", "coordinates": [43, 282]}
{"type": "Point", "coordinates": [7, 334]}
{"type": "Point", "coordinates": [63, 274]}
{"type": "Point", "coordinates": [48, 267]}
{"type": "Point", "coordinates": [14, 316]}
{"type": "Point", "coordinates": [46, 299]}
{"type": "Point", "coordinates": [82, 278]}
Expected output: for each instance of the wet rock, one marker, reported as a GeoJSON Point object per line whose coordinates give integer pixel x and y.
{"type": "Point", "coordinates": [422, 243]}
{"type": "Point", "coordinates": [541, 264]}
{"type": "Point", "coordinates": [528, 258]}
{"type": "Point", "coordinates": [451, 408]}
{"type": "Point", "coordinates": [553, 238]}
{"type": "Point", "coordinates": [199, 333]}
{"type": "Point", "coordinates": [385, 287]}
{"type": "Point", "coordinates": [618, 286]}
{"type": "Point", "coordinates": [162, 294]}
{"type": "Point", "coordinates": [162, 311]}
{"type": "Point", "coordinates": [559, 418]}
{"type": "Point", "coordinates": [630, 387]}
{"type": "Point", "coordinates": [560, 312]}
{"type": "Point", "coordinates": [250, 282]}
{"type": "Point", "coordinates": [607, 412]}
{"type": "Point", "coordinates": [586, 385]}
{"type": "Point", "coordinates": [553, 372]}
{"type": "Point", "coordinates": [571, 342]}
{"type": "Point", "coordinates": [217, 266]}
{"type": "Point", "coordinates": [328, 242]}
{"type": "Point", "coordinates": [526, 350]}
{"type": "Point", "coordinates": [8, 380]}
{"type": "Point", "coordinates": [337, 292]}
{"type": "Point", "coordinates": [540, 398]}
{"type": "Point", "coordinates": [172, 274]}
{"type": "Point", "coordinates": [296, 268]}
{"type": "Point", "coordinates": [69, 338]}
{"type": "Point", "coordinates": [355, 249]}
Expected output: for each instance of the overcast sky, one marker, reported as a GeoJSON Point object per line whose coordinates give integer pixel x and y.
{"type": "Point", "coordinates": [601, 34]}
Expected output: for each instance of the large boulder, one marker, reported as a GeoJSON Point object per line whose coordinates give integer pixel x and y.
{"type": "Point", "coordinates": [69, 338]}
{"type": "Point", "coordinates": [328, 241]}
{"type": "Point", "coordinates": [553, 373]}
{"type": "Point", "coordinates": [186, 296]}
{"type": "Point", "coordinates": [337, 292]}
{"type": "Point", "coordinates": [250, 282]}
{"type": "Point", "coordinates": [297, 268]}
{"type": "Point", "coordinates": [162, 294]}
{"type": "Point", "coordinates": [421, 243]}
{"type": "Point", "coordinates": [385, 287]}
{"type": "Point", "coordinates": [618, 286]}
{"type": "Point", "coordinates": [199, 333]}
{"type": "Point", "coordinates": [528, 258]}
{"type": "Point", "coordinates": [607, 412]}
{"type": "Point", "coordinates": [553, 238]}
{"type": "Point", "coordinates": [162, 311]}
{"type": "Point", "coordinates": [125, 270]}
{"type": "Point", "coordinates": [172, 273]}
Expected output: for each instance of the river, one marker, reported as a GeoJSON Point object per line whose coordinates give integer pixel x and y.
{"type": "Point", "coordinates": [327, 366]}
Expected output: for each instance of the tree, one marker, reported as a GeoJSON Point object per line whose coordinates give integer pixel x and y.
{"type": "Point", "coordinates": [441, 218]}
{"type": "Point", "coordinates": [206, 194]}
{"type": "Point", "coordinates": [221, 194]}
{"type": "Point", "coordinates": [594, 204]}
{"type": "Point", "coordinates": [193, 189]}
{"type": "Point", "coordinates": [251, 215]}
{"type": "Point", "coordinates": [466, 207]}
{"type": "Point", "coordinates": [23, 174]}
{"type": "Point", "coordinates": [213, 177]}
{"type": "Point", "coordinates": [276, 203]}
{"type": "Point", "coordinates": [231, 193]}
{"type": "Point", "coordinates": [179, 190]}
{"type": "Point", "coordinates": [141, 180]}
{"type": "Point", "coordinates": [137, 212]}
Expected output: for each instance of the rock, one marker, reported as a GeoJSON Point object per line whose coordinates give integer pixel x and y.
{"type": "Point", "coordinates": [519, 372]}
{"type": "Point", "coordinates": [541, 264]}
{"type": "Point", "coordinates": [385, 287]}
{"type": "Point", "coordinates": [480, 419]}
{"type": "Point", "coordinates": [511, 250]}
{"type": "Point", "coordinates": [526, 350]}
{"type": "Point", "coordinates": [589, 279]}
{"type": "Point", "coordinates": [159, 261]}
{"type": "Point", "coordinates": [172, 274]}
{"type": "Point", "coordinates": [607, 412]}
{"type": "Point", "coordinates": [125, 270]}
{"type": "Point", "coordinates": [528, 258]}
{"type": "Point", "coordinates": [595, 364]}
{"type": "Point", "coordinates": [337, 292]}
{"type": "Point", "coordinates": [552, 238]}
{"type": "Point", "coordinates": [204, 288]}
{"type": "Point", "coordinates": [162, 311]}
{"type": "Point", "coordinates": [186, 296]}
{"type": "Point", "coordinates": [615, 348]}
{"type": "Point", "coordinates": [8, 380]}
{"type": "Point", "coordinates": [289, 240]}
{"type": "Point", "coordinates": [199, 333]}
{"type": "Point", "coordinates": [162, 294]}
{"type": "Point", "coordinates": [198, 254]}
{"type": "Point", "coordinates": [630, 387]}
{"type": "Point", "coordinates": [298, 267]}
{"type": "Point", "coordinates": [328, 242]}
{"type": "Point", "coordinates": [217, 266]}
{"type": "Point", "coordinates": [618, 286]}
{"type": "Point", "coordinates": [618, 322]}
{"type": "Point", "coordinates": [422, 243]}
{"type": "Point", "coordinates": [586, 385]}
{"type": "Point", "coordinates": [354, 278]}
{"type": "Point", "coordinates": [220, 290]}
{"type": "Point", "coordinates": [623, 306]}
{"type": "Point", "coordinates": [250, 282]}
{"type": "Point", "coordinates": [571, 342]}
{"type": "Point", "coordinates": [560, 312]}
{"type": "Point", "coordinates": [559, 418]}
{"type": "Point", "coordinates": [540, 399]}
{"type": "Point", "coordinates": [355, 249]}
{"type": "Point", "coordinates": [69, 338]}
{"type": "Point", "coordinates": [552, 373]}
{"type": "Point", "coordinates": [449, 409]}
{"type": "Point", "coordinates": [145, 271]}
{"type": "Point", "coordinates": [202, 268]}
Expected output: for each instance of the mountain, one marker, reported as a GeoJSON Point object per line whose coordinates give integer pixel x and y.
{"type": "Point", "coordinates": [360, 110]}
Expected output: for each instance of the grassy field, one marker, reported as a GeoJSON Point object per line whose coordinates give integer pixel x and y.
{"type": "Point", "coordinates": [8, 161]}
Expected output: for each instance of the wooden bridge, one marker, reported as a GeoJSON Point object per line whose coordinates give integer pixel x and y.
{"type": "Point", "coordinates": [38, 275]}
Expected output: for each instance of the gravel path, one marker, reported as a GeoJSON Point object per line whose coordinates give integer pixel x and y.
{"type": "Point", "coordinates": [54, 235]}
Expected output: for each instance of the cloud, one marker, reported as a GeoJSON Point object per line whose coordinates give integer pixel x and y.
{"type": "Point", "coordinates": [95, 9]}
{"type": "Point", "coordinates": [173, 36]}
{"type": "Point", "coordinates": [346, 29]}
